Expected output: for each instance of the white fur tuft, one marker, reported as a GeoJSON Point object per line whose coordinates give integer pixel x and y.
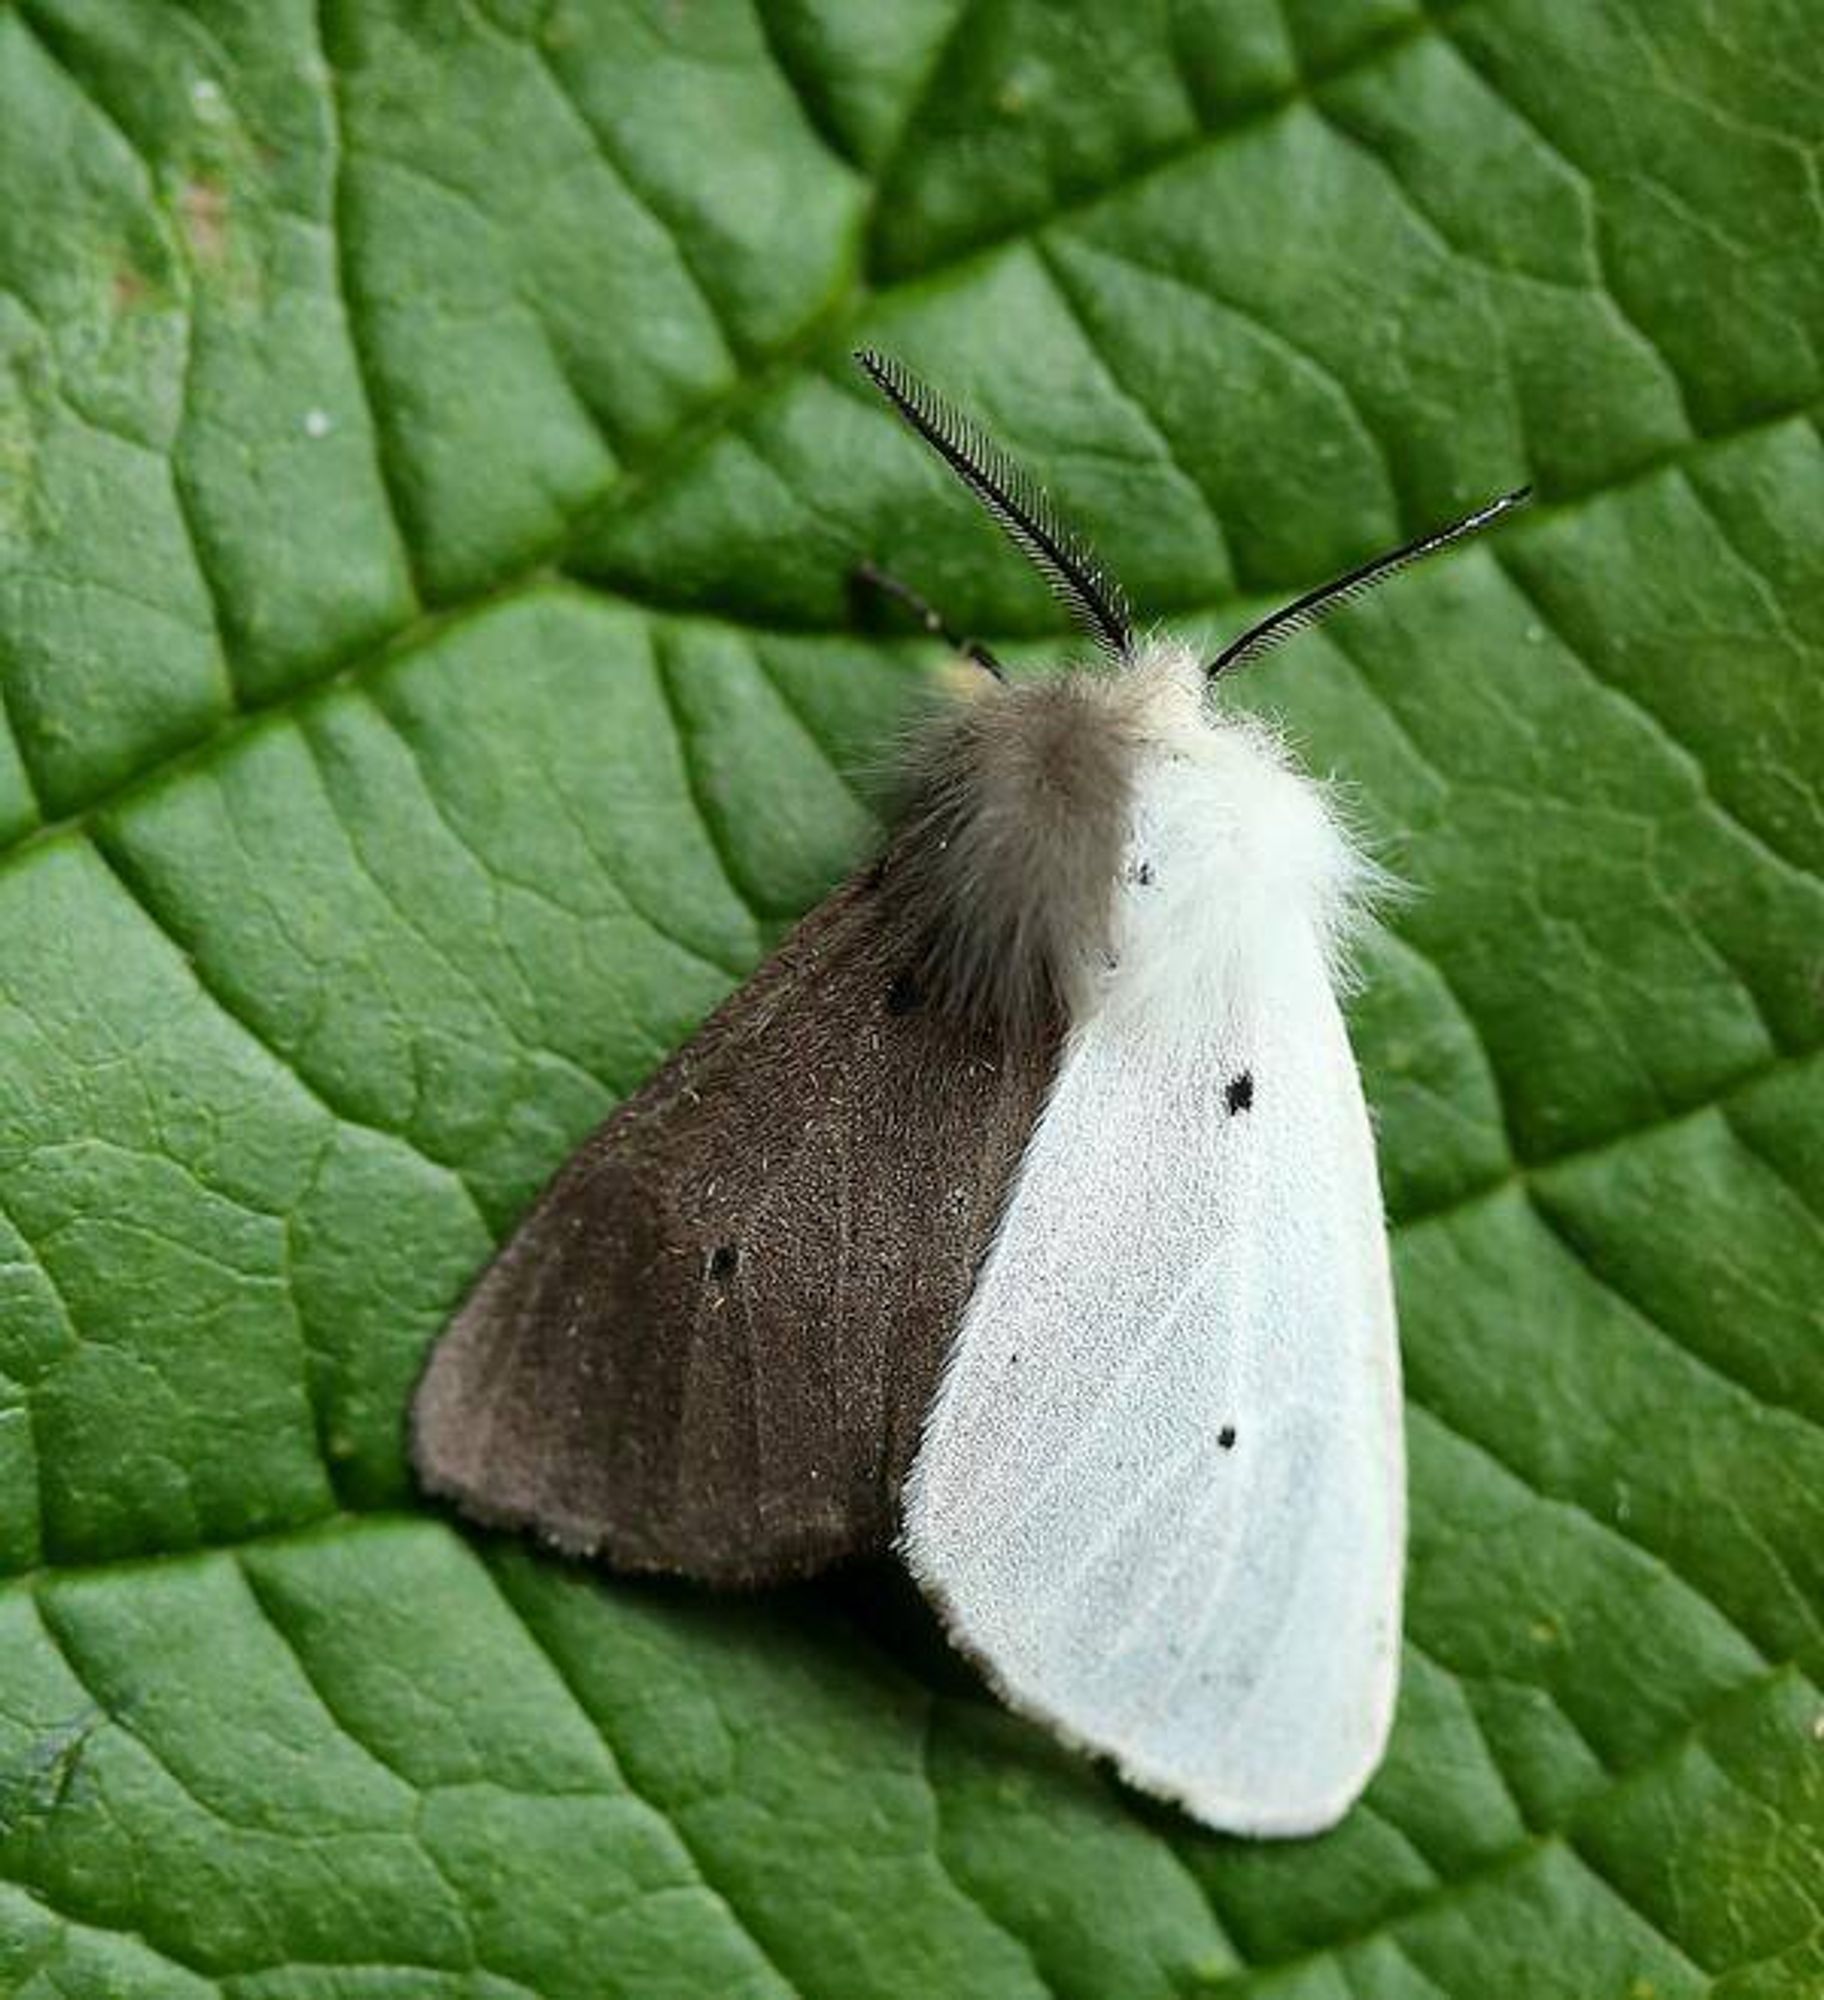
{"type": "Point", "coordinates": [1232, 853]}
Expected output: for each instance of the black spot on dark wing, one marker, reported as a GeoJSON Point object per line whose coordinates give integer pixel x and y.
{"type": "Point", "coordinates": [723, 1259]}
{"type": "Point", "coordinates": [1240, 1093]}
{"type": "Point", "coordinates": [903, 995]}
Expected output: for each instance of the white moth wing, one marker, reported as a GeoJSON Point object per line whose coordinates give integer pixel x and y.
{"type": "Point", "coordinates": [1161, 1493]}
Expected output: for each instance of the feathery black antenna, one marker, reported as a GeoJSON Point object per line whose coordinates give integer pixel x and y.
{"type": "Point", "coordinates": [1327, 597]}
{"type": "Point", "coordinates": [1015, 499]}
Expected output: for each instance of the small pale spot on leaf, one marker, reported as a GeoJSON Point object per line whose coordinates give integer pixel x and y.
{"type": "Point", "coordinates": [204, 208]}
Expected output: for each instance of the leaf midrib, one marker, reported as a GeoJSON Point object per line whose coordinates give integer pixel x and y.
{"type": "Point", "coordinates": [823, 333]}
{"type": "Point", "coordinates": [547, 572]}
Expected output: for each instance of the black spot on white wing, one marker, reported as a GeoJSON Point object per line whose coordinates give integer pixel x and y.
{"type": "Point", "coordinates": [1226, 1437]}
{"type": "Point", "coordinates": [1240, 1094]}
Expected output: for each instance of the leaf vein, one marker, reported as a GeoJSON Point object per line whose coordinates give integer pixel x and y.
{"type": "Point", "coordinates": [342, 265]}
{"type": "Point", "coordinates": [1568, 1504]}
{"type": "Point", "coordinates": [742, 1922]}
{"type": "Point", "coordinates": [1687, 757]}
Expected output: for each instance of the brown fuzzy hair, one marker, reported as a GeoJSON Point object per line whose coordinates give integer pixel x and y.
{"type": "Point", "coordinates": [1016, 818]}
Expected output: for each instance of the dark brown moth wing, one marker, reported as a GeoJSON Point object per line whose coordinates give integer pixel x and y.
{"type": "Point", "coordinates": [710, 1347]}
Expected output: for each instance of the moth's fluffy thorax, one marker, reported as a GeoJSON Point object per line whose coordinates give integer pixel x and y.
{"type": "Point", "coordinates": [1074, 841]}
{"type": "Point", "coordinates": [1019, 801]}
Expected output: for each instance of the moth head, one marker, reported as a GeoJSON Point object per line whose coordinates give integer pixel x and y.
{"type": "Point", "coordinates": [1066, 838]}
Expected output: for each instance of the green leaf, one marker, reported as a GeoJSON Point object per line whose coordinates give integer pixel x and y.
{"type": "Point", "coordinates": [429, 475]}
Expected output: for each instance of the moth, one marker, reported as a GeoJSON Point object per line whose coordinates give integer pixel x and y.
{"type": "Point", "coordinates": [1021, 1214]}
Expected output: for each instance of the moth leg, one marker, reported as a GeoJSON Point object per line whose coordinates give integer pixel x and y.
{"type": "Point", "coordinates": [928, 615]}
